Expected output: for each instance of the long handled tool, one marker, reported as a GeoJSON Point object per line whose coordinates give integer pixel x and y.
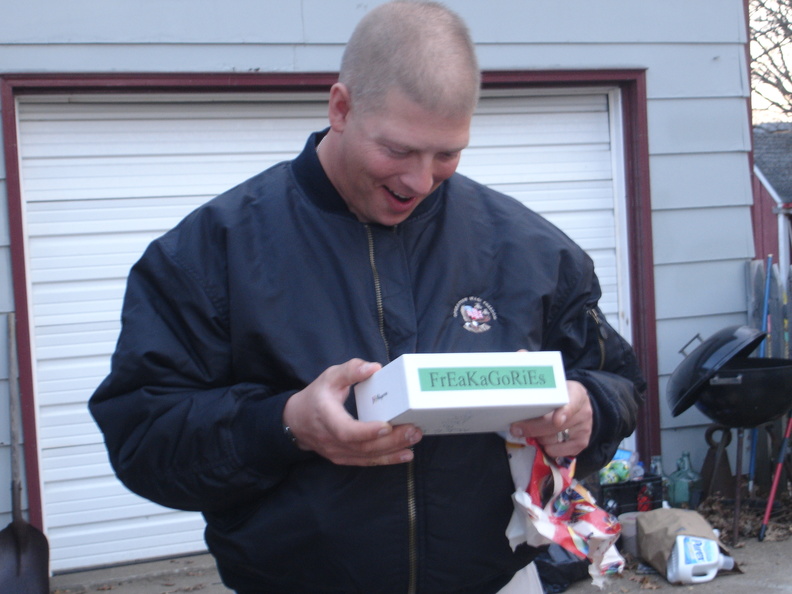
{"type": "Point", "coordinates": [24, 550]}
{"type": "Point", "coordinates": [776, 477]}
{"type": "Point", "coordinates": [762, 350]}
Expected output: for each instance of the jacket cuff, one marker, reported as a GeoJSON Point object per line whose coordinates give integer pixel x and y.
{"type": "Point", "coordinates": [259, 437]}
{"type": "Point", "coordinates": [606, 431]}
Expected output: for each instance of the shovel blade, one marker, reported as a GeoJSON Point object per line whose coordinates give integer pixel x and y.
{"type": "Point", "coordinates": [24, 560]}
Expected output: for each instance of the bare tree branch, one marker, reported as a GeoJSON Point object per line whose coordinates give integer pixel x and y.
{"type": "Point", "coordinates": [771, 50]}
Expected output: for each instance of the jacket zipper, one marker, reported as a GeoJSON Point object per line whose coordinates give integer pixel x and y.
{"type": "Point", "coordinates": [377, 291]}
{"type": "Point", "coordinates": [412, 516]}
{"type": "Point", "coordinates": [602, 334]}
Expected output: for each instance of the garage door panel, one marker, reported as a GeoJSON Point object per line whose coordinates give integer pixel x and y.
{"type": "Point", "coordinates": [61, 469]}
{"type": "Point", "coordinates": [113, 510]}
{"type": "Point", "coordinates": [537, 166]}
{"type": "Point", "coordinates": [100, 486]}
{"type": "Point", "coordinates": [542, 102]}
{"type": "Point", "coordinates": [106, 130]}
{"type": "Point", "coordinates": [82, 245]}
{"type": "Point", "coordinates": [497, 131]}
{"type": "Point", "coordinates": [107, 542]}
{"type": "Point", "coordinates": [561, 196]}
{"type": "Point", "coordinates": [204, 177]}
{"type": "Point", "coordinates": [102, 315]}
{"type": "Point", "coordinates": [203, 108]}
{"type": "Point", "coordinates": [61, 370]}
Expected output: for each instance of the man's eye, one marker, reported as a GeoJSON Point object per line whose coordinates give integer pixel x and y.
{"type": "Point", "coordinates": [397, 152]}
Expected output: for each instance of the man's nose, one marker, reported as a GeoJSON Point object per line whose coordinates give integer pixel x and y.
{"type": "Point", "coordinates": [420, 177]}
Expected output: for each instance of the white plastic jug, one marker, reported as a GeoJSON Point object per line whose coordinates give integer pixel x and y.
{"type": "Point", "coordinates": [694, 560]}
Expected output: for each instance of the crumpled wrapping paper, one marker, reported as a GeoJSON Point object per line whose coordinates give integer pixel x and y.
{"type": "Point", "coordinates": [550, 506]}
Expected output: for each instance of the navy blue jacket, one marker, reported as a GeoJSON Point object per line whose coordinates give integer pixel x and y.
{"type": "Point", "coordinates": [257, 292]}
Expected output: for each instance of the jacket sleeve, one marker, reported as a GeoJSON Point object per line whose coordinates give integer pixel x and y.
{"type": "Point", "coordinates": [599, 358]}
{"type": "Point", "coordinates": [178, 429]}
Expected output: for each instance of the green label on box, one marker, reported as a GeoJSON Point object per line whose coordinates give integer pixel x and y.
{"type": "Point", "coordinates": [485, 378]}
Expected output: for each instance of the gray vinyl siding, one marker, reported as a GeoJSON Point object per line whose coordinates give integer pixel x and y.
{"type": "Point", "coordinates": [313, 22]}
{"type": "Point", "coordinates": [697, 88]}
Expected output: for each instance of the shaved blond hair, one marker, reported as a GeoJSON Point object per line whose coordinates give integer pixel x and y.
{"type": "Point", "coordinates": [421, 48]}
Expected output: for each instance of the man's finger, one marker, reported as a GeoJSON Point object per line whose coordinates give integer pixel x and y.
{"type": "Point", "coordinates": [353, 371]}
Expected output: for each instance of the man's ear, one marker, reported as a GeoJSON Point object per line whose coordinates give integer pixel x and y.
{"type": "Point", "coordinates": [339, 106]}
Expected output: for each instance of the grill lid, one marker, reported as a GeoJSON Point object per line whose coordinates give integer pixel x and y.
{"type": "Point", "coordinates": [705, 360]}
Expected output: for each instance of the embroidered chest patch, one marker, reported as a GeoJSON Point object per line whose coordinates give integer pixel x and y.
{"type": "Point", "coordinates": [476, 314]}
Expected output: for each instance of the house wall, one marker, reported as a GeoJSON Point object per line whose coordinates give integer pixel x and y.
{"type": "Point", "coordinates": [697, 89]}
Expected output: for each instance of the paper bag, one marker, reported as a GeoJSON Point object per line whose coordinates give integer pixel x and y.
{"type": "Point", "coordinates": [658, 529]}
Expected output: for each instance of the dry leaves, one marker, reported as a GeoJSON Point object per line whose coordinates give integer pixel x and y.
{"type": "Point", "coordinates": [719, 512]}
{"type": "Point", "coordinates": [644, 583]}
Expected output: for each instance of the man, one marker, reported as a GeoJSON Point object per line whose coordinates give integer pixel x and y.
{"type": "Point", "coordinates": [245, 328]}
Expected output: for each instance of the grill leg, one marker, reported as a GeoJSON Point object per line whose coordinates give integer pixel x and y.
{"type": "Point", "coordinates": [738, 487]}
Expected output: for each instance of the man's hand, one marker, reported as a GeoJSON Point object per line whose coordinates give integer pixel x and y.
{"type": "Point", "coordinates": [567, 430]}
{"type": "Point", "coordinates": [320, 423]}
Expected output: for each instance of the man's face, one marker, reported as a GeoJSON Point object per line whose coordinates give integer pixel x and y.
{"type": "Point", "coordinates": [390, 159]}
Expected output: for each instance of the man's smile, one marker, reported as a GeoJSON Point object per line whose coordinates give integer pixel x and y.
{"type": "Point", "coordinates": [400, 197]}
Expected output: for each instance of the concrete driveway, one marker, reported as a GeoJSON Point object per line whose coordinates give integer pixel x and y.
{"type": "Point", "coordinates": [766, 566]}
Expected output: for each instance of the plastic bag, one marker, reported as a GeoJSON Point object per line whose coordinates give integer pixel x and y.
{"type": "Point", "coordinates": [558, 569]}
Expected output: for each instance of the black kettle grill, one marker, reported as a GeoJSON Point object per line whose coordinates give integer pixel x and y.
{"type": "Point", "coordinates": [732, 388]}
{"type": "Point", "coordinates": [727, 385]}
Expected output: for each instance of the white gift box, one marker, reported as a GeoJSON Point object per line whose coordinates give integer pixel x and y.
{"type": "Point", "coordinates": [463, 392]}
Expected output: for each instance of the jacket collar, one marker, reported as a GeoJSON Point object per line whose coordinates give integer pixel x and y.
{"type": "Point", "coordinates": [320, 191]}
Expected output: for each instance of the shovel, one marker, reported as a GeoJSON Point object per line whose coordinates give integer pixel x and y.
{"type": "Point", "coordinates": [24, 550]}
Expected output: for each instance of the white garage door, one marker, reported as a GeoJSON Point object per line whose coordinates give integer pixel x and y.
{"type": "Point", "coordinates": [104, 175]}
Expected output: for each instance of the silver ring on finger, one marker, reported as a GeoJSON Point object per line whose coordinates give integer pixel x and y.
{"type": "Point", "coordinates": [563, 436]}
